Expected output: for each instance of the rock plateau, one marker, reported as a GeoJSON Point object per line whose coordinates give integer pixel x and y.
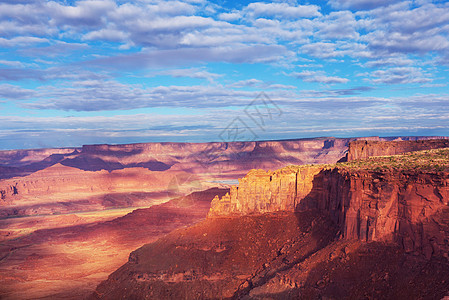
{"type": "Point", "coordinates": [376, 228]}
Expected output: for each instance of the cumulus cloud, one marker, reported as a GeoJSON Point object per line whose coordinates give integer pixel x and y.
{"type": "Point", "coordinates": [230, 16]}
{"type": "Point", "coordinates": [401, 28]}
{"type": "Point", "coordinates": [12, 63]}
{"type": "Point", "coordinates": [337, 92]}
{"type": "Point", "coordinates": [13, 74]}
{"type": "Point", "coordinates": [399, 75]}
{"type": "Point", "coordinates": [74, 73]}
{"type": "Point", "coordinates": [13, 92]}
{"type": "Point", "coordinates": [199, 73]}
{"type": "Point", "coordinates": [96, 95]}
{"type": "Point", "coordinates": [258, 9]}
{"type": "Point", "coordinates": [388, 61]}
{"type": "Point", "coordinates": [359, 4]}
{"type": "Point", "coordinates": [318, 76]}
{"type": "Point", "coordinates": [256, 83]}
{"type": "Point", "coordinates": [85, 55]}
{"type": "Point", "coordinates": [21, 41]}
{"type": "Point", "coordinates": [59, 48]}
{"type": "Point", "coordinates": [345, 115]}
{"type": "Point", "coordinates": [186, 55]}
{"type": "Point", "coordinates": [247, 83]}
{"type": "Point", "coordinates": [338, 25]}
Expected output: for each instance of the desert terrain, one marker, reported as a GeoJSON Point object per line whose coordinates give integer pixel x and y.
{"type": "Point", "coordinates": [62, 211]}
{"type": "Point", "coordinates": [372, 228]}
{"type": "Point", "coordinates": [70, 217]}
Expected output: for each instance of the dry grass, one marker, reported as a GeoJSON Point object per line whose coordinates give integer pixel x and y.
{"type": "Point", "coordinates": [436, 160]}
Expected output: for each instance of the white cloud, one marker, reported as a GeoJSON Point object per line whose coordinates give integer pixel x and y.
{"type": "Point", "coordinates": [238, 53]}
{"type": "Point", "coordinates": [338, 25]}
{"type": "Point", "coordinates": [389, 61]}
{"type": "Point", "coordinates": [200, 73]}
{"type": "Point", "coordinates": [21, 41]}
{"type": "Point", "coordinates": [232, 16]}
{"type": "Point", "coordinates": [359, 4]}
{"type": "Point", "coordinates": [107, 34]}
{"type": "Point", "coordinates": [12, 63]}
{"type": "Point", "coordinates": [95, 47]}
{"type": "Point", "coordinates": [13, 92]}
{"type": "Point", "coordinates": [321, 50]}
{"type": "Point", "coordinates": [247, 83]}
{"type": "Point", "coordinates": [399, 75]}
{"type": "Point", "coordinates": [285, 10]}
{"type": "Point", "coordinates": [400, 28]}
{"type": "Point", "coordinates": [317, 76]}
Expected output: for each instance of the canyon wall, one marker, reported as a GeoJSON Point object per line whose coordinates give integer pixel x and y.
{"type": "Point", "coordinates": [61, 180]}
{"type": "Point", "coordinates": [30, 178]}
{"type": "Point", "coordinates": [410, 208]}
{"type": "Point", "coordinates": [362, 149]}
{"type": "Point", "coordinates": [216, 157]}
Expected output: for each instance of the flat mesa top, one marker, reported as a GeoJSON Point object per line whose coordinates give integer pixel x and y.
{"type": "Point", "coordinates": [436, 160]}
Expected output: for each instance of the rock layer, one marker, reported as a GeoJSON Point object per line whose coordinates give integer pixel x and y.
{"type": "Point", "coordinates": [363, 149]}
{"type": "Point", "coordinates": [410, 208]}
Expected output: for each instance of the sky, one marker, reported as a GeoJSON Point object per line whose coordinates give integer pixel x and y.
{"type": "Point", "coordinates": [105, 71]}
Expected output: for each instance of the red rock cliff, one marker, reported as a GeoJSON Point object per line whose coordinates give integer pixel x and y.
{"type": "Point", "coordinates": [363, 149]}
{"type": "Point", "coordinates": [410, 208]}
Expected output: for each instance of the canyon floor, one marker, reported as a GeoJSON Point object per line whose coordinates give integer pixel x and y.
{"type": "Point", "coordinates": [376, 228]}
{"type": "Point", "coordinates": [273, 256]}
{"type": "Point", "coordinates": [70, 217]}
{"type": "Point", "coordinates": [66, 256]}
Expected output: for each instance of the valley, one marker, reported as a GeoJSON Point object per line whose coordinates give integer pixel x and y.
{"type": "Point", "coordinates": [67, 224]}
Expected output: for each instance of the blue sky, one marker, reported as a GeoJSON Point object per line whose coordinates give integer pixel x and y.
{"type": "Point", "coordinates": [83, 72]}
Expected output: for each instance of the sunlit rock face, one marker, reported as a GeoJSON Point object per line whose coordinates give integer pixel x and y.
{"type": "Point", "coordinates": [369, 228]}
{"type": "Point", "coordinates": [68, 207]}
{"type": "Point", "coordinates": [364, 149]}
{"type": "Point", "coordinates": [409, 207]}
{"type": "Point", "coordinates": [97, 177]}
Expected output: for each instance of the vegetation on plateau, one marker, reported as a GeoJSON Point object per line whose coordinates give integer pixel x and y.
{"type": "Point", "coordinates": [436, 160]}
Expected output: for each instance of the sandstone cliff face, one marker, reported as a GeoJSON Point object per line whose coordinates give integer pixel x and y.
{"type": "Point", "coordinates": [260, 191]}
{"type": "Point", "coordinates": [62, 189]}
{"type": "Point", "coordinates": [192, 157]}
{"type": "Point", "coordinates": [410, 208]}
{"type": "Point", "coordinates": [363, 149]}
{"type": "Point", "coordinates": [17, 158]}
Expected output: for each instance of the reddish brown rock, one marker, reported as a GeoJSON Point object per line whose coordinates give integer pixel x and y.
{"type": "Point", "coordinates": [410, 208]}
{"type": "Point", "coordinates": [363, 149]}
{"type": "Point", "coordinates": [220, 258]}
{"type": "Point", "coordinates": [68, 259]}
{"type": "Point", "coordinates": [392, 215]}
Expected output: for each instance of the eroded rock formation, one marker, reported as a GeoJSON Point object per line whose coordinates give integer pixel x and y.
{"type": "Point", "coordinates": [377, 228]}
{"type": "Point", "coordinates": [410, 208]}
{"type": "Point", "coordinates": [363, 149]}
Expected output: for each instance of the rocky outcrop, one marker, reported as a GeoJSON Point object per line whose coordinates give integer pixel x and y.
{"type": "Point", "coordinates": [72, 179]}
{"type": "Point", "coordinates": [62, 189]}
{"type": "Point", "coordinates": [363, 149]}
{"type": "Point", "coordinates": [410, 208]}
{"type": "Point", "coordinates": [76, 252]}
{"type": "Point", "coordinates": [260, 191]}
{"type": "Point", "coordinates": [19, 158]}
{"type": "Point", "coordinates": [218, 157]}
{"type": "Point", "coordinates": [218, 258]}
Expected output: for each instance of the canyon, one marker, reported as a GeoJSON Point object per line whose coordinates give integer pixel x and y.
{"type": "Point", "coordinates": [66, 256]}
{"type": "Point", "coordinates": [363, 149]}
{"type": "Point", "coordinates": [371, 228]}
{"type": "Point", "coordinates": [59, 208]}
{"type": "Point", "coordinates": [97, 177]}
{"type": "Point", "coordinates": [69, 217]}
{"type": "Point", "coordinates": [372, 202]}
